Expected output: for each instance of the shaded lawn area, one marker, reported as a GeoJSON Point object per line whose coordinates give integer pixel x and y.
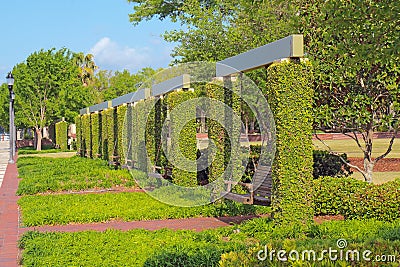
{"type": "Point", "coordinates": [59, 174]}
{"type": "Point", "coordinates": [86, 208]}
{"type": "Point", "coordinates": [207, 248]}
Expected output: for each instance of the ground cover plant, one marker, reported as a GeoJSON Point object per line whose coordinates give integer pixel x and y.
{"type": "Point", "coordinates": [58, 174]}
{"type": "Point", "coordinates": [229, 246]}
{"type": "Point", "coordinates": [356, 199]}
{"type": "Point", "coordinates": [86, 208]}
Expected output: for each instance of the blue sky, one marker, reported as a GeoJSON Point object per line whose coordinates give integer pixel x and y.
{"type": "Point", "coordinates": [100, 27]}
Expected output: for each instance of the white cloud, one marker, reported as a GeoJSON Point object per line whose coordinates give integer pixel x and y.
{"type": "Point", "coordinates": [110, 55]}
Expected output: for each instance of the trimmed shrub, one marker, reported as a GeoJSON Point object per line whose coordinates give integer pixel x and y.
{"type": "Point", "coordinates": [185, 140]}
{"type": "Point", "coordinates": [201, 254]}
{"type": "Point", "coordinates": [78, 123]}
{"type": "Point", "coordinates": [96, 134]}
{"type": "Point", "coordinates": [122, 132]}
{"type": "Point", "coordinates": [107, 135]}
{"type": "Point", "coordinates": [356, 199]}
{"type": "Point", "coordinates": [150, 131]}
{"type": "Point", "coordinates": [62, 135]}
{"type": "Point", "coordinates": [326, 164]}
{"type": "Point", "coordinates": [290, 95]}
{"type": "Point", "coordinates": [140, 113]}
{"type": "Point", "coordinates": [86, 136]}
{"type": "Point", "coordinates": [216, 134]}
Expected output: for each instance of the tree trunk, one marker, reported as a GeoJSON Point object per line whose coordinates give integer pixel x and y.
{"type": "Point", "coordinates": [38, 138]}
{"type": "Point", "coordinates": [368, 162]}
{"type": "Point", "coordinates": [368, 168]}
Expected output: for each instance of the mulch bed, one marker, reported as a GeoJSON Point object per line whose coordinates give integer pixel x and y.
{"type": "Point", "coordinates": [384, 165]}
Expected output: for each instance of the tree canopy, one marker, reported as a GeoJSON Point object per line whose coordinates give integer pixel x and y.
{"type": "Point", "coordinates": [47, 87]}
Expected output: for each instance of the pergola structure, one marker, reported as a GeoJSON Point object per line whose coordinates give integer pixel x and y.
{"type": "Point", "coordinates": [291, 108]}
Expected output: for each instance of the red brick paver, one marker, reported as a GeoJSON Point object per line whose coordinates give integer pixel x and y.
{"type": "Point", "coordinates": [197, 224]}
{"type": "Point", "coordinates": [9, 232]}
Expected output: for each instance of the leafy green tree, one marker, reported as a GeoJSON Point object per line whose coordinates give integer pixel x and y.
{"type": "Point", "coordinates": [108, 85]}
{"type": "Point", "coordinates": [47, 87]}
{"type": "Point", "coordinates": [99, 85]}
{"type": "Point", "coordinates": [354, 46]}
{"type": "Point", "coordinates": [5, 101]}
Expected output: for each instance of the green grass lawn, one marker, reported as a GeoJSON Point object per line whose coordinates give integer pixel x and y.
{"type": "Point", "coordinates": [209, 248]}
{"type": "Point", "coordinates": [351, 149]}
{"type": "Point", "coordinates": [76, 173]}
{"type": "Point", "coordinates": [86, 208]}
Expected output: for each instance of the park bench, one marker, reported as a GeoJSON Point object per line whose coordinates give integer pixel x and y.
{"type": "Point", "coordinates": [114, 161]}
{"type": "Point", "coordinates": [259, 189]}
{"type": "Point", "coordinates": [167, 172]}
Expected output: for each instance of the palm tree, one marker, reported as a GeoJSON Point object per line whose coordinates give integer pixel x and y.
{"type": "Point", "coordinates": [87, 67]}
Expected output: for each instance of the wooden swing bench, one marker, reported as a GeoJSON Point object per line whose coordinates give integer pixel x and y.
{"type": "Point", "coordinates": [129, 164]}
{"type": "Point", "coordinates": [259, 189]}
{"type": "Point", "coordinates": [114, 162]}
{"type": "Point", "coordinates": [155, 174]}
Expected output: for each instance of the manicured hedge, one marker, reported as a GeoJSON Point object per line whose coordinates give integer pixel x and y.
{"type": "Point", "coordinates": [356, 199]}
{"type": "Point", "coordinates": [326, 164]}
{"type": "Point", "coordinates": [216, 133]}
{"type": "Point", "coordinates": [87, 135]}
{"type": "Point", "coordinates": [121, 136]}
{"type": "Point", "coordinates": [290, 95]}
{"type": "Point", "coordinates": [62, 134]}
{"type": "Point", "coordinates": [140, 114]}
{"type": "Point", "coordinates": [107, 135]}
{"type": "Point", "coordinates": [150, 131]}
{"type": "Point", "coordinates": [185, 140]}
{"type": "Point", "coordinates": [78, 123]}
{"type": "Point", "coordinates": [95, 120]}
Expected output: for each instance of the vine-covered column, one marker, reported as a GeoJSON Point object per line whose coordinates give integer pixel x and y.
{"type": "Point", "coordinates": [183, 140]}
{"type": "Point", "coordinates": [290, 95]}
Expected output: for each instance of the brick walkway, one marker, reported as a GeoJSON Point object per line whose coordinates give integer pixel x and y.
{"type": "Point", "coordinates": [9, 232]}
{"type": "Point", "coordinates": [196, 224]}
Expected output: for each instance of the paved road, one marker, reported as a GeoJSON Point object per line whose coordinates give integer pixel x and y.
{"type": "Point", "coordinates": [4, 157]}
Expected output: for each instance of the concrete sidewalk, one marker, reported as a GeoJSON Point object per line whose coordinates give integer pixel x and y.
{"type": "Point", "coordinates": [4, 157]}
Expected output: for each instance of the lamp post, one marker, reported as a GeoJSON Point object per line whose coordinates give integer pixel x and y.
{"type": "Point", "coordinates": [10, 82]}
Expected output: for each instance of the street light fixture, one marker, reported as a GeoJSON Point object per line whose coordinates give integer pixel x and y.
{"type": "Point", "coordinates": [10, 83]}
